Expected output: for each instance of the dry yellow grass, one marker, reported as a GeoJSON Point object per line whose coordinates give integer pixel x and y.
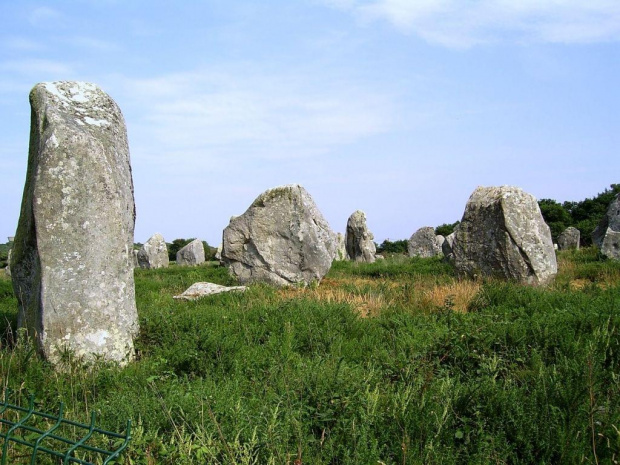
{"type": "Point", "coordinates": [370, 296]}
{"type": "Point", "coordinates": [366, 297]}
{"type": "Point", "coordinates": [458, 294]}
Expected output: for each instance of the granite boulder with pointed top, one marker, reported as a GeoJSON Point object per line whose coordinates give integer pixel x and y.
{"type": "Point", "coordinates": [503, 234]}
{"type": "Point", "coordinates": [154, 253]}
{"type": "Point", "coordinates": [192, 254]}
{"type": "Point", "coordinates": [281, 239]}
{"type": "Point", "coordinates": [424, 243]}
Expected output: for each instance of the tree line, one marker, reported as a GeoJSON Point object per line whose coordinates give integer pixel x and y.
{"type": "Point", "coordinates": [584, 215]}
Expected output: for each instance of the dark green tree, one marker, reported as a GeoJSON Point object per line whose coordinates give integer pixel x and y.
{"type": "Point", "coordinates": [175, 246]}
{"type": "Point", "coordinates": [446, 229]}
{"type": "Point", "coordinates": [584, 215]}
{"type": "Point", "coordinates": [556, 216]}
{"type": "Point", "coordinates": [395, 247]}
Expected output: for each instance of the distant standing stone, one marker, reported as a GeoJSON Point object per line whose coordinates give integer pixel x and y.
{"type": "Point", "coordinates": [7, 270]}
{"type": "Point", "coordinates": [607, 234]}
{"type": "Point", "coordinates": [72, 264]}
{"type": "Point", "coordinates": [341, 248]}
{"type": "Point", "coordinates": [281, 239]}
{"type": "Point", "coordinates": [569, 239]}
{"type": "Point", "coordinates": [503, 234]}
{"type": "Point", "coordinates": [359, 240]}
{"type": "Point", "coordinates": [154, 253]}
{"type": "Point", "coordinates": [192, 254]}
{"type": "Point", "coordinates": [424, 243]}
{"type": "Point", "coordinates": [446, 246]}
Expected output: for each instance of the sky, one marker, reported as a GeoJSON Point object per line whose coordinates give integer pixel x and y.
{"type": "Point", "coordinates": [399, 108]}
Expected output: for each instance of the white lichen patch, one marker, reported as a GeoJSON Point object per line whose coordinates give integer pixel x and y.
{"type": "Point", "coordinates": [97, 338]}
{"type": "Point", "coordinates": [83, 100]}
{"type": "Point", "coordinates": [96, 122]}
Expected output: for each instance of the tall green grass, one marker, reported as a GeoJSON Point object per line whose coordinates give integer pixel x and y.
{"type": "Point", "coordinates": [526, 375]}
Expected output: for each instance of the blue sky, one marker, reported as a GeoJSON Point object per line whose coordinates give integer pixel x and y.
{"type": "Point", "coordinates": [399, 108]}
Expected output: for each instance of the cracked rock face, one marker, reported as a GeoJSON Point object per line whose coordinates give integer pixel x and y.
{"type": "Point", "coordinates": [281, 239]}
{"type": "Point", "coordinates": [359, 240]}
{"type": "Point", "coordinates": [503, 234]}
{"type": "Point", "coordinates": [72, 261]}
{"type": "Point", "coordinates": [606, 236]}
{"type": "Point", "coordinates": [424, 243]}
{"type": "Point", "coordinates": [154, 253]}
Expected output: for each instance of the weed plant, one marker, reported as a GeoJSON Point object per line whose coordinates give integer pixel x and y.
{"type": "Point", "coordinates": [515, 374]}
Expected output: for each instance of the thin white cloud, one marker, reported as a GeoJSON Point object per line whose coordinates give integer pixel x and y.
{"type": "Point", "coordinates": [46, 69]}
{"type": "Point", "coordinates": [45, 16]}
{"type": "Point", "coordinates": [460, 24]}
{"type": "Point", "coordinates": [250, 114]}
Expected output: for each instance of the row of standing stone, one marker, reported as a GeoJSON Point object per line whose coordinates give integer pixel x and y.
{"type": "Point", "coordinates": [72, 258]}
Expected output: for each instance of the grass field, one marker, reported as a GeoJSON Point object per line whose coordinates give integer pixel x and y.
{"type": "Point", "coordinates": [396, 362]}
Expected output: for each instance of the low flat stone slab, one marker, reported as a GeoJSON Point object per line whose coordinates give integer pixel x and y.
{"type": "Point", "coordinates": [198, 290]}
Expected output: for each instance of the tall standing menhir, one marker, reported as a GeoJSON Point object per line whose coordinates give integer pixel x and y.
{"type": "Point", "coordinates": [72, 262]}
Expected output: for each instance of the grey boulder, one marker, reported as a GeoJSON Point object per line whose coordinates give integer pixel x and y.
{"type": "Point", "coordinates": [569, 239]}
{"type": "Point", "coordinates": [192, 254]}
{"type": "Point", "coordinates": [503, 234]}
{"type": "Point", "coordinates": [199, 290]}
{"type": "Point", "coordinates": [359, 240]}
{"type": "Point", "coordinates": [154, 253]}
{"type": "Point", "coordinates": [281, 239]}
{"type": "Point", "coordinates": [605, 236]}
{"type": "Point", "coordinates": [446, 246]}
{"type": "Point", "coordinates": [341, 248]}
{"type": "Point", "coordinates": [610, 247]}
{"type": "Point", "coordinates": [424, 243]}
{"type": "Point", "coordinates": [72, 261]}
{"type": "Point", "coordinates": [7, 270]}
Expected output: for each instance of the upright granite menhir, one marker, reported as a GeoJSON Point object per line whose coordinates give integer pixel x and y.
{"type": "Point", "coordinates": [72, 263]}
{"type": "Point", "coordinates": [359, 240]}
{"type": "Point", "coordinates": [503, 234]}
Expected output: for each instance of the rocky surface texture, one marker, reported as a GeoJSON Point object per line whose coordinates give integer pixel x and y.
{"type": "Point", "coordinates": [199, 290]}
{"type": "Point", "coordinates": [192, 254]}
{"type": "Point", "coordinates": [503, 234]}
{"type": "Point", "coordinates": [341, 248]}
{"type": "Point", "coordinates": [7, 270]}
{"type": "Point", "coordinates": [446, 246]}
{"type": "Point", "coordinates": [424, 243]}
{"type": "Point", "coordinates": [72, 262]}
{"type": "Point", "coordinates": [359, 240]}
{"type": "Point", "coordinates": [569, 239]}
{"type": "Point", "coordinates": [154, 253]}
{"type": "Point", "coordinates": [606, 236]}
{"type": "Point", "coordinates": [281, 239]}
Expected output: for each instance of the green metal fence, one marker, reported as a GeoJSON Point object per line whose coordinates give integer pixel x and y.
{"type": "Point", "coordinates": [42, 433]}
